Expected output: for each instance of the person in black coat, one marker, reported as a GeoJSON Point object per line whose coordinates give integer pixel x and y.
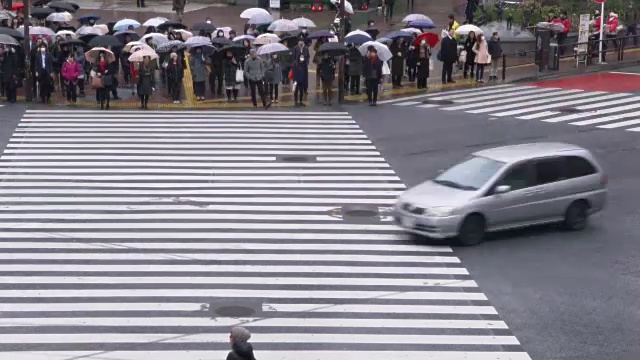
{"type": "Point", "coordinates": [448, 56]}
{"type": "Point", "coordinates": [399, 51]}
{"type": "Point", "coordinates": [372, 70]}
{"type": "Point", "coordinates": [175, 74]}
{"type": "Point", "coordinates": [10, 74]}
{"type": "Point", "coordinates": [470, 60]}
{"type": "Point", "coordinates": [44, 73]}
{"type": "Point", "coordinates": [327, 70]}
{"type": "Point", "coordinates": [422, 65]}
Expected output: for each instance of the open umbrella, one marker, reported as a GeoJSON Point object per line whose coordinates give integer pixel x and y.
{"type": "Point", "coordinates": [422, 24]}
{"type": "Point", "coordinates": [63, 6]}
{"type": "Point", "coordinates": [166, 47]}
{"type": "Point", "coordinates": [65, 33]}
{"type": "Point", "coordinates": [140, 47]}
{"type": "Point", "coordinates": [156, 21]}
{"type": "Point", "coordinates": [203, 26]}
{"type": "Point", "coordinates": [320, 34]}
{"type": "Point", "coordinates": [383, 51]}
{"type": "Point", "coordinates": [271, 49]}
{"type": "Point", "coordinates": [170, 24]}
{"type": "Point", "coordinates": [197, 41]}
{"type": "Point", "coordinates": [73, 42]}
{"type": "Point", "coordinates": [105, 40]}
{"type": "Point", "coordinates": [8, 40]}
{"type": "Point", "coordinates": [124, 24]}
{"type": "Point", "coordinates": [289, 39]}
{"type": "Point", "coordinates": [347, 6]}
{"type": "Point", "coordinates": [412, 31]}
{"type": "Point", "coordinates": [184, 33]}
{"type": "Point", "coordinates": [242, 38]}
{"type": "Point", "coordinates": [237, 50]}
{"type": "Point", "coordinates": [266, 39]}
{"type": "Point", "coordinates": [127, 48]}
{"type": "Point", "coordinates": [261, 18]}
{"type": "Point", "coordinates": [283, 25]}
{"type": "Point", "coordinates": [466, 29]}
{"type": "Point", "coordinates": [11, 32]}
{"type": "Point", "coordinates": [86, 18]}
{"type": "Point", "coordinates": [429, 38]}
{"type": "Point", "coordinates": [6, 15]}
{"type": "Point", "coordinates": [138, 56]}
{"type": "Point", "coordinates": [248, 13]}
{"type": "Point", "coordinates": [16, 6]}
{"type": "Point", "coordinates": [357, 37]}
{"type": "Point", "coordinates": [92, 55]}
{"type": "Point", "coordinates": [60, 17]}
{"type": "Point", "coordinates": [87, 38]}
{"type": "Point", "coordinates": [303, 22]}
{"type": "Point", "coordinates": [415, 17]}
{"type": "Point", "coordinates": [133, 36]}
{"type": "Point", "coordinates": [104, 28]}
{"type": "Point", "coordinates": [41, 13]}
{"type": "Point", "coordinates": [333, 49]}
{"type": "Point", "coordinates": [398, 34]}
{"type": "Point", "coordinates": [89, 30]}
{"type": "Point", "coordinates": [157, 38]}
{"type": "Point", "coordinates": [221, 41]}
{"type": "Point", "coordinates": [38, 31]}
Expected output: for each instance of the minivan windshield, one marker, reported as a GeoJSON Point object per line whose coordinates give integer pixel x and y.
{"type": "Point", "coordinates": [471, 174]}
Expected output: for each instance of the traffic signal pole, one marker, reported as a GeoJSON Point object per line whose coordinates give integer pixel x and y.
{"type": "Point", "coordinates": [26, 46]}
{"type": "Point", "coordinates": [341, 36]}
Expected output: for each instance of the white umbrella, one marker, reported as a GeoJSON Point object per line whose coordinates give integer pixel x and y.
{"type": "Point", "coordinates": [64, 33]}
{"type": "Point", "coordinates": [102, 27]}
{"type": "Point", "coordinates": [89, 30]}
{"type": "Point", "coordinates": [466, 29]}
{"type": "Point", "coordinates": [261, 19]}
{"type": "Point", "coordinates": [347, 6]}
{"type": "Point", "coordinates": [225, 29]}
{"type": "Point", "coordinates": [243, 38]}
{"type": "Point", "coordinates": [127, 48]}
{"type": "Point", "coordinates": [304, 22]}
{"type": "Point", "coordinates": [157, 38]}
{"type": "Point", "coordinates": [267, 39]}
{"type": "Point", "coordinates": [283, 25]}
{"type": "Point", "coordinates": [416, 17]}
{"type": "Point", "coordinates": [60, 17]}
{"type": "Point", "coordinates": [358, 32]}
{"type": "Point", "coordinates": [197, 41]}
{"type": "Point", "coordinates": [156, 21]}
{"type": "Point", "coordinates": [38, 31]}
{"type": "Point", "coordinates": [333, 39]}
{"type": "Point", "coordinates": [412, 31]}
{"type": "Point", "coordinates": [272, 48]}
{"type": "Point", "coordinates": [185, 34]}
{"type": "Point", "coordinates": [125, 23]}
{"type": "Point", "coordinates": [383, 51]}
{"type": "Point", "coordinates": [247, 14]}
{"type": "Point", "coordinates": [140, 47]}
{"type": "Point", "coordinates": [139, 55]}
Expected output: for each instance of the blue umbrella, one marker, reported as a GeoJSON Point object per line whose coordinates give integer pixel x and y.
{"type": "Point", "coordinates": [320, 34]}
{"type": "Point", "coordinates": [357, 39]}
{"type": "Point", "coordinates": [87, 18]}
{"type": "Point", "coordinates": [397, 34]}
{"type": "Point", "coordinates": [425, 24]}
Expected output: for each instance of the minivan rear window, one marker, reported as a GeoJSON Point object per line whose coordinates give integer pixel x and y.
{"type": "Point", "coordinates": [577, 166]}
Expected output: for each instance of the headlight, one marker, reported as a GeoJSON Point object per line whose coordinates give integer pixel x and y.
{"type": "Point", "coordinates": [439, 211]}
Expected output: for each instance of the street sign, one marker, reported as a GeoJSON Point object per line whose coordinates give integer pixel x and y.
{"type": "Point", "coordinates": [274, 4]}
{"type": "Point", "coordinates": [583, 32]}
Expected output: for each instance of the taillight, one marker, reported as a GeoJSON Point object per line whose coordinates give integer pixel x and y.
{"type": "Point", "coordinates": [313, 8]}
{"type": "Point", "coordinates": [604, 180]}
{"type": "Point", "coordinates": [364, 7]}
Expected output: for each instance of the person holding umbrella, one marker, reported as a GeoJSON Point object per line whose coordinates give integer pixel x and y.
{"type": "Point", "coordinates": [230, 67]}
{"type": "Point", "coordinates": [146, 81]}
{"type": "Point", "coordinates": [70, 71]}
{"type": "Point", "coordinates": [101, 71]}
{"type": "Point", "coordinates": [373, 75]}
{"type": "Point", "coordinates": [80, 59]}
{"type": "Point", "coordinates": [197, 62]}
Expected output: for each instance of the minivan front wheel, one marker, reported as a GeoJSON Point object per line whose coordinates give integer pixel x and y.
{"type": "Point", "coordinates": [576, 216]}
{"type": "Point", "coordinates": [472, 230]}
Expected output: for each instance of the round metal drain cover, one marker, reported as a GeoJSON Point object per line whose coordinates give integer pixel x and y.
{"type": "Point", "coordinates": [570, 110]}
{"type": "Point", "coordinates": [298, 159]}
{"type": "Point", "coordinates": [234, 311]}
{"type": "Point", "coordinates": [438, 102]}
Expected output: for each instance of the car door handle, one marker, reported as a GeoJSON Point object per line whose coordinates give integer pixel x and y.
{"type": "Point", "coordinates": [534, 192]}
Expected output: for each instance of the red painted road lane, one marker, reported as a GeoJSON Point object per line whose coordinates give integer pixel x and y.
{"type": "Point", "coordinates": [606, 81]}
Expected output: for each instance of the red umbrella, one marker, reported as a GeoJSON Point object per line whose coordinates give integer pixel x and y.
{"type": "Point", "coordinates": [430, 38]}
{"type": "Point", "coordinates": [16, 6]}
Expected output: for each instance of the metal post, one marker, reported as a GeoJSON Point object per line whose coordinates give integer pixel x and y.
{"type": "Point", "coordinates": [26, 46]}
{"type": "Point", "coordinates": [341, 58]}
{"type": "Point", "coordinates": [601, 31]}
{"type": "Point", "coordinates": [504, 67]}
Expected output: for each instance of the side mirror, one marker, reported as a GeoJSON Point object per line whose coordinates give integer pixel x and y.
{"type": "Point", "coordinates": [502, 189]}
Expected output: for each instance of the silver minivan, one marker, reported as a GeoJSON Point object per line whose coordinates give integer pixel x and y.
{"type": "Point", "coordinates": [503, 188]}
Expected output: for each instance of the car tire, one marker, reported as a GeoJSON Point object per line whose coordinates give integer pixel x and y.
{"type": "Point", "coordinates": [472, 230]}
{"type": "Point", "coordinates": [576, 217]}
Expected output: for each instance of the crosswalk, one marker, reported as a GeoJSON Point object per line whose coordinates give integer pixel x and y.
{"type": "Point", "coordinates": [603, 110]}
{"type": "Point", "coordinates": [130, 235]}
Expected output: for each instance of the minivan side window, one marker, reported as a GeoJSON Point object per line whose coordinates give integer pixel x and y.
{"type": "Point", "coordinates": [518, 177]}
{"type": "Point", "coordinates": [550, 170]}
{"type": "Point", "coordinates": [577, 166]}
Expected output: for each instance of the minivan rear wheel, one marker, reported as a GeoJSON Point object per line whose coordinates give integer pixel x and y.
{"type": "Point", "coordinates": [577, 215]}
{"type": "Point", "coordinates": [472, 230]}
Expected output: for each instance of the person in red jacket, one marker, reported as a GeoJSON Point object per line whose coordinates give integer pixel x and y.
{"type": "Point", "coordinates": [562, 36]}
{"type": "Point", "coordinates": [610, 28]}
{"type": "Point", "coordinates": [596, 21]}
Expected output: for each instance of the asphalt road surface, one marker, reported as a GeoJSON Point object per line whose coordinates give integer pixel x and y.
{"type": "Point", "coordinates": [565, 295]}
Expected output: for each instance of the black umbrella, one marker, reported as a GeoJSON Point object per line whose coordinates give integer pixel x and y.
{"type": "Point", "coordinates": [41, 3]}
{"type": "Point", "coordinates": [333, 49]}
{"type": "Point", "coordinates": [87, 38]}
{"type": "Point", "coordinates": [132, 34]}
{"type": "Point", "coordinates": [206, 50]}
{"type": "Point", "coordinates": [67, 27]}
{"type": "Point", "coordinates": [221, 41]}
{"type": "Point", "coordinates": [41, 13]}
{"type": "Point", "coordinates": [12, 32]}
{"type": "Point", "coordinates": [63, 6]}
{"type": "Point", "coordinates": [105, 40]}
{"type": "Point", "coordinates": [206, 27]}
{"type": "Point", "coordinates": [170, 24]}
{"type": "Point", "coordinates": [290, 39]}
{"type": "Point", "coordinates": [73, 42]}
{"type": "Point", "coordinates": [237, 50]}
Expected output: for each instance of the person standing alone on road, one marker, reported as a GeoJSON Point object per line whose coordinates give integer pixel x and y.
{"type": "Point", "coordinates": [241, 349]}
{"type": "Point", "coordinates": [448, 56]}
{"type": "Point", "coordinates": [254, 69]}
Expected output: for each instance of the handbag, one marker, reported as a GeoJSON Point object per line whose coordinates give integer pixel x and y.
{"type": "Point", "coordinates": [239, 76]}
{"type": "Point", "coordinates": [96, 82]}
{"type": "Point", "coordinates": [489, 59]}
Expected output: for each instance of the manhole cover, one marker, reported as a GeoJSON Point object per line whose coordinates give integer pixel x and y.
{"type": "Point", "coordinates": [298, 159]}
{"type": "Point", "coordinates": [438, 102]}
{"type": "Point", "coordinates": [570, 110]}
{"type": "Point", "coordinates": [234, 311]}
